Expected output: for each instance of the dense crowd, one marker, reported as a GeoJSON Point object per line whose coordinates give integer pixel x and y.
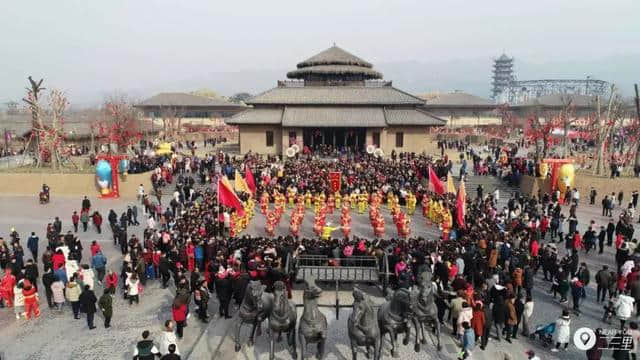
{"type": "Point", "coordinates": [483, 269]}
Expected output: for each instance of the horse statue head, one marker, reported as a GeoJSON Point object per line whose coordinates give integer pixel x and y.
{"type": "Point", "coordinates": [403, 302]}
{"type": "Point", "coordinates": [252, 303]}
{"type": "Point", "coordinates": [280, 301]}
{"type": "Point", "coordinates": [312, 290]}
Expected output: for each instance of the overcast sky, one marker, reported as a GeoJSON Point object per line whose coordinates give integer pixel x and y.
{"type": "Point", "coordinates": [91, 47]}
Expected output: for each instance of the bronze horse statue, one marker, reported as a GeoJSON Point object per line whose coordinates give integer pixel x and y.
{"type": "Point", "coordinates": [282, 319]}
{"type": "Point", "coordinates": [426, 311]}
{"type": "Point", "coordinates": [363, 326]}
{"type": "Point", "coordinates": [256, 307]}
{"type": "Point", "coordinates": [313, 324]}
{"type": "Point", "coordinates": [396, 315]}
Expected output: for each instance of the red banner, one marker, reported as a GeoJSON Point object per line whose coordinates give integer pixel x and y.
{"type": "Point", "coordinates": [335, 180]}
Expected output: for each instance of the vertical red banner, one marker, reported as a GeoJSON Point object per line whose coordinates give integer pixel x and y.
{"type": "Point", "coordinates": [335, 180]}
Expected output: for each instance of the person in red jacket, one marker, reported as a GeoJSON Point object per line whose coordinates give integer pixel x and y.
{"type": "Point", "coordinates": [179, 312]}
{"type": "Point", "coordinates": [30, 294]}
{"type": "Point", "coordinates": [191, 260]}
{"type": "Point", "coordinates": [97, 221]}
{"type": "Point", "coordinates": [544, 226]}
{"type": "Point", "coordinates": [75, 219]}
{"type": "Point", "coordinates": [577, 241]}
{"type": "Point", "coordinates": [478, 321]}
{"type": "Point", "coordinates": [535, 248]}
{"type": "Point", "coordinates": [6, 287]}
{"type": "Point", "coordinates": [156, 263]}
{"type": "Point", "coordinates": [58, 260]}
{"type": "Point", "coordinates": [95, 248]}
{"type": "Point", "coordinates": [111, 280]}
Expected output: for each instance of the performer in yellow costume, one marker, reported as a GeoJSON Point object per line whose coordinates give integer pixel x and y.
{"type": "Point", "coordinates": [362, 203]}
{"type": "Point", "coordinates": [307, 200]}
{"type": "Point", "coordinates": [327, 230]}
{"type": "Point", "coordinates": [447, 222]}
{"type": "Point", "coordinates": [353, 199]}
{"type": "Point", "coordinates": [338, 199]}
{"type": "Point", "coordinates": [411, 204]}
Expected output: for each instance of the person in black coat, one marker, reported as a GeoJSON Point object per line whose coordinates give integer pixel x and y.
{"type": "Point", "coordinates": [488, 321]}
{"type": "Point", "coordinates": [164, 270]}
{"type": "Point", "coordinates": [86, 204]}
{"type": "Point", "coordinates": [223, 292]}
{"type": "Point", "coordinates": [601, 236]}
{"type": "Point", "coordinates": [611, 228]}
{"type": "Point", "coordinates": [528, 279]}
{"type": "Point", "coordinates": [88, 304]}
{"type": "Point", "coordinates": [48, 278]}
{"type": "Point", "coordinates": [499, 310]}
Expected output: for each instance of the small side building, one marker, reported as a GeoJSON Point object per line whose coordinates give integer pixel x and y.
{"type": "Point", "coordinates": [190, 109]}
{"type": "Point", "coordinates": [461, 109]}
{"type": "Point", "coordinates": [335, 98]}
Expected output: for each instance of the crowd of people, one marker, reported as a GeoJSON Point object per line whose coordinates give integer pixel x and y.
{"type": "Point", "coordinates": [484, 266]}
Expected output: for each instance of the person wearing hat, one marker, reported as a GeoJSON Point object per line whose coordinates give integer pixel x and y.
{"type": "Point", "coordinates": [562, 335]}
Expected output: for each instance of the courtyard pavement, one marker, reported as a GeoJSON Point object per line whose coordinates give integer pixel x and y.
{"type": "Point", "coordinates": [58, 336]}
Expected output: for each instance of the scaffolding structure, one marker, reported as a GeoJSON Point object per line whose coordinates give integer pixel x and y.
{"type": "Point", "coordinates": [520, 91]}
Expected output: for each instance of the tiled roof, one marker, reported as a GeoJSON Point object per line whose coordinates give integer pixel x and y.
{"type": "Point", "coordinates": [412, 117]}
{"type": "Point", "coordinates": [336, 116]}
{"type": "Point", "coordinates": [330, 116]}
{"type": "Point", "coordinates": [334, 55]}
{"type": "Point", "coordinates": [335, 95]}
{"type": "Point", "coordinates": [455, 99]}
{"type": "Point", "coordinates": [257, 116]}
{"type": "Point", "coordinates": [338, 70]}
{"type": "Point", "coordinates": [184, 99]}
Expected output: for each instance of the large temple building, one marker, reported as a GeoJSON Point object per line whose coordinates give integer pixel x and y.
{"type": "Point", "coordinates": [334, 98]}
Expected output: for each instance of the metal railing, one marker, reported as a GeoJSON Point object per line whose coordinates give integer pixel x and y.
{"type": "Point", "coordinates": [354, 269]}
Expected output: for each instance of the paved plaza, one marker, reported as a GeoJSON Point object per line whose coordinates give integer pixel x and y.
{"type": "Point", "coordinates": [58, 336]}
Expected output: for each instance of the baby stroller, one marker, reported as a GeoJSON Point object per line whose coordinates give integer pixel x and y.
{"type": "Point", "coordinates": [545, 334]}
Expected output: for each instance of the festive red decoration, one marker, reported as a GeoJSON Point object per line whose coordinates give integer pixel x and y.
{"type": "Point", "coordinates": [435, 184]}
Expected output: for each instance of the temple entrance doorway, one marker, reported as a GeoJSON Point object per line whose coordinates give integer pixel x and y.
{"type": "Point", "coordinates": [352, 139]}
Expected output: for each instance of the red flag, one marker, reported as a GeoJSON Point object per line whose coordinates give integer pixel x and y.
{"type": "Point", "coordinates": [335, 180]}
{"type": "Point", "coordinates": [248, 176]}
{"type": "Point", "coordinates": [228, 197]}
{"type": "Point", "coordinates": [461, 205]}
{"type": "Point", "coordinates": [435, 184]}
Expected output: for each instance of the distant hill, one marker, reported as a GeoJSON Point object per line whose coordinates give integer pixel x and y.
{"type": "Point", "coordinates": [472, 75]}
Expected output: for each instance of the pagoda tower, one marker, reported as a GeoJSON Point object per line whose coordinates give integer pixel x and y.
{"type": "Point", "coordinates": [502, 75]}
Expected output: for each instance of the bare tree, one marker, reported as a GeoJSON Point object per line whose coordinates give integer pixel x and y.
{"type": "Point", "coordinates": [171, 120]}
{"type": "Point", "coordinates": [636, 163]}
{"type": "Point", "coordinates": [120, 123]}
{"type": "Point", "coordinates": [33, 100]}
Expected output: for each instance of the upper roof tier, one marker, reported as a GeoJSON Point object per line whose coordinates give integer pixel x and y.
{"type": "Point", "coordinates": [334, 63]}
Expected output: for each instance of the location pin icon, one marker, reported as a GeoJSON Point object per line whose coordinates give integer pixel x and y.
{"type": "Point", "coordinates": [585, 337]}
